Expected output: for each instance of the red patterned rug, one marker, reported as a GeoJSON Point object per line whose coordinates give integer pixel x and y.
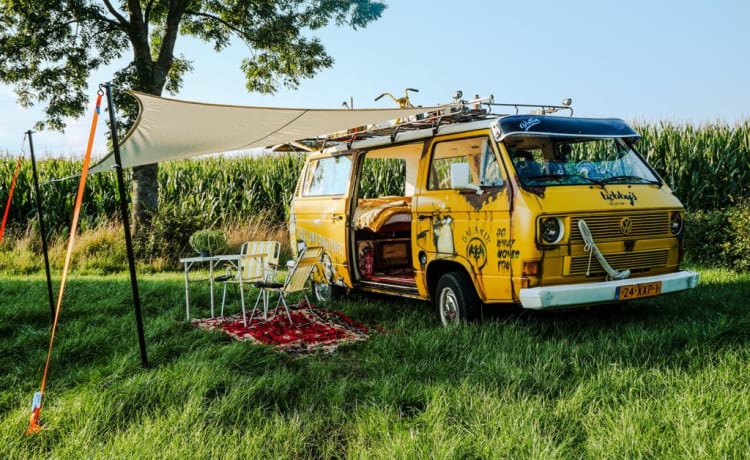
{"type": "Point", "coordinates": [322, 332]}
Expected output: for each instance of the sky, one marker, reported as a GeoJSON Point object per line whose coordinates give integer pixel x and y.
{"type": "Point", "coordinates": [642, 61]}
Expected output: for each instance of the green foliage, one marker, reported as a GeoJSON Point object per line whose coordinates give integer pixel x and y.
{"type": "Point", "coordinates": [737, 246]}
{"type": "Point", "coordinates": [720, 238]}
{"type": "Point", "coordinates": [707, 166]}
{"type": "Point", "coordinates": [48, 51]}
{"type": "Point", "coordinates": [228, 191]}
{"type": "Point", "coordinates": [58, 185]}
{"type": "Point", "coordinates": [98, 252]}
{"type": "Point", "coordinates": [198, 193]}
{"type": "Point", "coordinates": [382, 177]}
{"type": "Point", "coordinates": [658, 378]}
{"type": "Point", "coordinates": [168, 239]}
{"type": "Point", "coordinates": [214, 193]}
{"type": "Point", "coordinates": [209, 242]}
{"type": "Point", "coordinates": [705, 234]}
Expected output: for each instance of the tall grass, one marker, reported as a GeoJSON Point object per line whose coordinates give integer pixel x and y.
{"type": "Point", "coordinates": [382, 177]}
{"type": "Point", "coordinates": [226, 191]}
{"type": "Point", "coordinates": [59, 180]}
{"type": "Point", "coordinates": [101, 251]}
{"type": "Point", "coordinates": [707, 166]}
{"type": "Point", "coordinates": [659, 378]}
{"type": "Point", "coordinates": [213, 191]}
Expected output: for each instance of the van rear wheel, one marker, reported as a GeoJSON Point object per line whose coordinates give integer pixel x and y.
{"type": "Point", "coordinates": [455, 299]}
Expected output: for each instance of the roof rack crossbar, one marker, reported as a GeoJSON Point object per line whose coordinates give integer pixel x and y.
{"type": "Point", "coordinates": [542, 109]}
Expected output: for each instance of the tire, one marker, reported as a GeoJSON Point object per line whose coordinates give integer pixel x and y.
{"type": "Point", "coordinates": [325, 292]}
{"type": "Point", "coordinates": [455, 299]}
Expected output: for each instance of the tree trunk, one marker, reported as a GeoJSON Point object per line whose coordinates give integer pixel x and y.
{"type": "Point", "coordinates": [145, 198]}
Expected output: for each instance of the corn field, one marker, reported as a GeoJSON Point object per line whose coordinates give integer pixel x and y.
{"type": "Point", "coordinates": [224, 191]}
{"type": "Point", "coordinates": [707, 166]}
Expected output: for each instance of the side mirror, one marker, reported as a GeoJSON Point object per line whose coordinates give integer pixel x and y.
{"type": "Point", "coordinates": [460, 178]}
{"type": "Point", "coordinates": [498, 182]}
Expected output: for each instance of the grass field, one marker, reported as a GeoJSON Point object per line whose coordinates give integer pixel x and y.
{"type": "Point", "coordinates": [663, 378]}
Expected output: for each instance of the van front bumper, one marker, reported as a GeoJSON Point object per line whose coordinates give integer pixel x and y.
{"type": "Point", "coordinates": [568, 295]}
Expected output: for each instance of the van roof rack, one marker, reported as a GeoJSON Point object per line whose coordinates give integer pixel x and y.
{"type": "Point", "coordinates": [458, 111]}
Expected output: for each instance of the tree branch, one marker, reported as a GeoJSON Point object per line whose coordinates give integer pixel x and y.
{"type": "Point", "coordinates": [122, 22]}
{"type": "Point", "coordinates": [137, 23]}
{"type": "Point", "coordinates": [239, 32]}
{"type": "Point", "coordinates": [171, 30]}
{"type": "Point", "coordinates": [138, 32]}
{"type": "Point", "coordinates": [149, 7]}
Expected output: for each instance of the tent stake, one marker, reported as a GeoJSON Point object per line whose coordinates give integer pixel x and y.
{"type": "Point", "coordinates": [126, 226]}
{"type": "Point", "coordinates": [42, 230]}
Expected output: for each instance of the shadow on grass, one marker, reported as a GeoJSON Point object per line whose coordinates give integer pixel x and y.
{"type": "Point", "coordinates": [714, 314]}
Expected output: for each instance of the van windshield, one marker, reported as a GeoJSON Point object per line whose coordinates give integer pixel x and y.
{"type": "Point", "coordinates": [552, 162]}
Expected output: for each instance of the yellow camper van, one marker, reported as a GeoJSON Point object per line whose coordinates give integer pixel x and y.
{"type": "Point", "coordinates": [470, 207]}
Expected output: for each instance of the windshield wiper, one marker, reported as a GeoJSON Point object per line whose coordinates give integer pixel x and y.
{"type": "Point", "coordinates": [565, 176]}
{"type": "Point", "coordinates": [608, 180]}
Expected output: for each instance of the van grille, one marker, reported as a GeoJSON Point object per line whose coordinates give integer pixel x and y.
{"type": "Point", "coordinates": [634, 261]}
{"type": "Point", "coordinates": [610, 227]}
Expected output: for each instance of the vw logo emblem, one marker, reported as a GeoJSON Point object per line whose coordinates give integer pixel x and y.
{"type": "Point", "coordinates": [626, 226]}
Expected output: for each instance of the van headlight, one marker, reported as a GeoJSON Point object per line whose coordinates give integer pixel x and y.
{"type": "Point", "coordinates": [552, 230]}
{"type": "Point", "coordinates": [676, 223]}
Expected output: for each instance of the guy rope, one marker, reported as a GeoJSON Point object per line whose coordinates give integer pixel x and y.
{"type": "Point", "coordinates": [10, 198]}
{"type": "Point", "coordinates": [36, 405]}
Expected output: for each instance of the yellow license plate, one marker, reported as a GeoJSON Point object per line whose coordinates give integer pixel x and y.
{"type": "Point", "coordinates": [637, 291]}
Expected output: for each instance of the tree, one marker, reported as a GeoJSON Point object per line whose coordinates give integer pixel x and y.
{"type": "Point", "coordinates": [48, 49]}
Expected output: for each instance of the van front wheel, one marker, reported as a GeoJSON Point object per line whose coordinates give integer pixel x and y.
{"type": "Point", "coordinates": [455, 299]}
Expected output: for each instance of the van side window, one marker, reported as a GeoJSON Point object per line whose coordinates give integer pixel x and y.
{"type": "Point", "coordinates": [327, 176]}
{"type": "Point", "coordinates": [491, 175]}
{"type": "Point", "coordinates": [463, 162]}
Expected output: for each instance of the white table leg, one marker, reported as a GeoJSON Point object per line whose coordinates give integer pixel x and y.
{"type": "Point", "coordinates": [187, 293]}
{"type": "Point", "coordinates": [211, 284]}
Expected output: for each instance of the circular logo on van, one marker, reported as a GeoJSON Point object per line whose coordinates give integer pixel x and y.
{"type": "Point", "coordinates": [626, 226]}
{"type": "Point", "coordinates": [476, 251]}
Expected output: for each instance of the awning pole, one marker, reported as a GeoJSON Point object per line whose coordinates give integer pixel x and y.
{"type": "Point", "coordinates": [42, 229]}
{"type": "Point", "coordinates": [126, 225]}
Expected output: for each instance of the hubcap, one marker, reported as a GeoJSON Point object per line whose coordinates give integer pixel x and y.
{"type": "Point", "coordinates": [448, 307]}
{"type": "Point", "coordinates": [322, 292]}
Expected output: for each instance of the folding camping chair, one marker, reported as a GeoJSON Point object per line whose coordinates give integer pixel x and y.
{"type": "Point", "coordinates": [296, 281]}
{"type": "Point", "coordinates": [258, 262]}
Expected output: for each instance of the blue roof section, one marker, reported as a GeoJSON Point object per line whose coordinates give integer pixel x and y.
{"type": "Point", "coordinates": [553, 126]}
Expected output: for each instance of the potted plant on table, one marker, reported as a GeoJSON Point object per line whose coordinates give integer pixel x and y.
{"type": "Point", "coordinates": [208, 242]}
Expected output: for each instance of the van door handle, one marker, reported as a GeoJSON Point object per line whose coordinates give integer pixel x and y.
{"type": "Point", "coordinates": [424, 216]}
{"type": "Point", "coordinates": [337, 217]}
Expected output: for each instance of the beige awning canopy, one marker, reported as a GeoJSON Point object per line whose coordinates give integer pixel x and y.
{"type": "Point", "coordinates": [170, 129]}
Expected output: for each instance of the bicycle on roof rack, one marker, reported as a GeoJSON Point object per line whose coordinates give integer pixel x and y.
{"type": "Point", "coordinates": [403, 102]}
